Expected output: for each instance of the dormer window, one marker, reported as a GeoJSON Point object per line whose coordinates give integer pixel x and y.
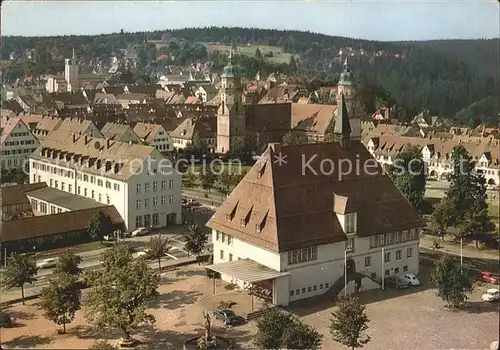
{"type": "Point", "coordinates": [350, 223]}
{"type": "Point", "coordinates": [228, 217]}
{"type": "Point", "coordinates": [257, 228]}
{"type": "Point", "coordinates": [243, 223]}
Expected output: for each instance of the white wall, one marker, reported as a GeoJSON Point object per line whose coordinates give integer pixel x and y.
{"type": "Point", "coordinates": [17, 147]}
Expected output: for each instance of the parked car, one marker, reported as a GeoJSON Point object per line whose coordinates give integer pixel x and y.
{"type": "Point", "coordinates": [47, 263]}
{"type": "Point", "coordinates": [491, 294]}
{"type": "Point", "coordinates": [397, 282]}
{"type": "Point", "coordinates": [143, 253]}
{"type": "Point", "coordinates": [411, 278]}
{"type": "Point", "coordinates": [141, 231]}
{"type": "Point", "coordinates": [193, 202]}
{"type": "Point", "coordinates": [228, 317]}
{"type": "Point", "coordinates": [488, 277]}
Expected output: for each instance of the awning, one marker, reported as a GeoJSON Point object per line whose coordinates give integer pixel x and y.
{"type": "Point", "coordinates": [246, 270]}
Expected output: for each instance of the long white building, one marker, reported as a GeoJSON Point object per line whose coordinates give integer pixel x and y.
{"type": "Point", "coordinates": [295, 227]}
{"type": "Point", "coordinates": [142, 185]}
{"type": "Point", "coordinates": [17, 143]}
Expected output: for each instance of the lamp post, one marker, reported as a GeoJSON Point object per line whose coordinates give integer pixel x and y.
{"type": "Point", "coordinates": [345, 272]}
{"type": "Point", "coordinates": [34, 251]}
{"type": "Point", "coordinates": [383, 262]}
{"type": "Point", "coordinates": [461, 253]}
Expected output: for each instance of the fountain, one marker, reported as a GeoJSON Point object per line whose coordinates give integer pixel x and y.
{"type": "Point", "coordinates": [207, 341]}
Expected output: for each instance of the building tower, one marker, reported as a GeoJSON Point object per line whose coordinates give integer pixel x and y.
{"type": "Point", "coordinates": [346, 89]}
{"type": "Point", "coordinates": [231, 113]}
{"type": "Point", "coordinates": [342, 133]}
{"type": "Point", "coordinates": [71, 72]}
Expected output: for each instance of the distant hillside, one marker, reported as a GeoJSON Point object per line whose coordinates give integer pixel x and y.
{"type": "Point", "coordinates": [445, 76]}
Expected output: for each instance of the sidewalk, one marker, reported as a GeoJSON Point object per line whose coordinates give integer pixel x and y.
{"type": "Point", "coordinates": [447, 247]}
{"type": "Point", "coordinates": [199, 194]}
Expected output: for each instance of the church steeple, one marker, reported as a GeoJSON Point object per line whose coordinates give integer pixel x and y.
{"type": "Point", "coordinates": [342, 130]}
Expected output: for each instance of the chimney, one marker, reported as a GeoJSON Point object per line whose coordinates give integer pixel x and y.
{"type": "Point", "coordinates": [74, 137]}
{"type": "Point", "coordinates": [276, 147]}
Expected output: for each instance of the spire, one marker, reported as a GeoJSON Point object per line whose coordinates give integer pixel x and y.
{"type": "Point", "coordinates": [74, 53]}
{"type": "Point", "coordinates": [346, 62]}
{"type": "Point", "coordinates": [230, 56]}
{"type": "Point", "coordinates": [342, 130]}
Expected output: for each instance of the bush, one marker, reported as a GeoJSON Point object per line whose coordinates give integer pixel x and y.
{"type": "Point", "coordinates": [102, 345]}
{"type": "Point", "coordinates": [5, 320]}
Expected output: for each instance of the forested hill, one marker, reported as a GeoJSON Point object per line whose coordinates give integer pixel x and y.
{"type": "Point", "coordinates": [445, 76]}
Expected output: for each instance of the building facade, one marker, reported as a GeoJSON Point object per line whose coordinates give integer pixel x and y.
{"type": "Point", "coordinates": [17, 143]}
{"type": "Point", "coordinates": [136, 179]}
{"type": "Point", "coordinates": [154, 135]}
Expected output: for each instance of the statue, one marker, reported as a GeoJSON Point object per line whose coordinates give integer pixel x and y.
{"type": "Point", "coordinates": [208, 326]}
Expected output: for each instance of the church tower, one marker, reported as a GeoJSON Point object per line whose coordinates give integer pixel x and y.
{"type": "Point", "coordinates": [71, 72]}
{"type": "Point", "coordinates": [231, 114]}
{"type": "Point", "coordinates": [342, 132]}
{"type": "Point", "coordinates": [346, 90]}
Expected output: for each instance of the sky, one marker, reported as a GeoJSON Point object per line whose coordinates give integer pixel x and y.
{"type": "Point", "coordinates": [388, 20]}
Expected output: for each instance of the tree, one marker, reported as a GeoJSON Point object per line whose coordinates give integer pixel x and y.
{"type": "Point", "coordinates": [440, 217]}
{"type": "Point", "coordinates": [294, 137]}
{"type": "Point", "coordinates": [100, 225]}
{"type": "Point", "coordinates": [278, 329]}
{"type": "Point", "coordinates": [190, 179]}
{"type": "Point", "coordinates": [227, 179]}
{"type": "Point", "coordinates": [408, 174]}
{"type": "Point", "coordinates": [21, 269]}
{"type": "Point", "coordinates": [237, 148]}
{"type": "Point", "coordinates": [452, 281]}
{"type": "Point", "coordinates": [61, 299]}
{"type": "Point", "coordinates": [196, 239]}
{"type": "Point", "coordinates": [68, 264]}
{"type": "Point", "coordinates": [119, 294]}
{"type": "Point", "coordinates": [349, 322]}
{"type": "Point", "coordinates": [158, 248]}
{"type": "Point", "coordinates": [207, 178]}
{"type": "Point", "coordinates": [258, 54]}
{"type": "Point", "coordinates": [292, 66]}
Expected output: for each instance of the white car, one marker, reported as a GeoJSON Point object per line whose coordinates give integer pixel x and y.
{"type": "Point", "coordinates": [143, 253]}
{"type": "Point", "coordinates": [140, 231]}
{"type": "Point", "coordinates": [491, 295]}
{"type": "Point", "coordinates": [411, 278]}
{"type": "Point", "coordinates": [47, 263]}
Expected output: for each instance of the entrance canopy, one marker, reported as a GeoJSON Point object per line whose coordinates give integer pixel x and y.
{"type": "Point", "coordinates": [246, 270]}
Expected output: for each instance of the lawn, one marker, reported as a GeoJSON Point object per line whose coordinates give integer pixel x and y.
{"type": "Point", "coordinates": [249, 50]}
{"type": "Point", "coordinates": [80, 248]}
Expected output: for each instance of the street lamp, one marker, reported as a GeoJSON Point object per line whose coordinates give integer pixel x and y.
{"type": "Point", "coordinates": [34, 251]}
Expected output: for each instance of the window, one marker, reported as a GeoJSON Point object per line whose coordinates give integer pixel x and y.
{"type": "Point", "coordinates": [223, 238]}
{"type": "Point", "coordinates": [409, 252]}
{"type": "Point", "coordinates": [56, 184]}
{"type": "Point", "coordinates": [257, 228]}
{"type": "Point", "coordinates": [327, 285]}
{"type": "Point", "coordinates": [155, 201]}
{"type": "Point", "coordinates": [309, 289]}
{"type": "Point", "coordinates": [381, 240]}
{"type": "Point", "coordinates": [315, 288]}
{"type": "Point", "coordinates": [170, 198]}
{"type": "Point", "coordinates": [387, 272]}
{"type": "Point", "coordinates": [86, 178]}
{"type": "Point", "coordinates": [398, 254]}
{"type": "Point", "coordinates": [155, 185]}
{"type": "Point", "coordinates": [405, 236]}
{"type": "Point", "coordinates": [387, 257]}
{"type": "Point", "coordinates": [396, 270]}
{"type": "Point", "coordinates": [303, 290]}
{"type": "Point", "coordinates": [62, 186]}
{"type": "Point", "coordinates": [138, 221]}
{"type": "Point", "coordinates": [146, 203]}
{"type": "Point", "coordinates": [349, 223]}
{"type": "Point", "coordinates": [349, 246]}
{"type": "Point", "coordinates": [229, 240]}
{"type": "Point", "coordinates": [162, 200]}
{"type": "Point", "coordinates": [156, 219]}
{"type": "Point", "coordinates": [368, 261]}
{"type": "Point", "coordinates": [297, 291]}
{"type": "Point", "coordinates": [107, 199]}
{"type": "Point", "coordinates": [147, 220]}
{"type": "Point", "coordinates": [373, 275]}
{"type": "Point", "coordinates": [92, 179]}
{"type": "Point", "coordinates": [230, 257]}
{"type": "Point", "coordinates": [397, 237]}
{"type": "Point", "coordinates": [390, 238]}
{"type": "Point", "coordinates": [222, 254]}
{"type": "Point", "coordinates": [108, 184]}
{"type": "Point", "coordinates": [146, 187]}
{"type": "Point", "coordinates": [100, 197]}
{"type": "Point", "coordinates": [242, 223]}
{"type": "Point", "coordinates": [138, 204]}
{"type": "Point", "coordinates": [217, 235]}
{"type": "Point", "coordinates": [373, 241]}
{"type": "Point", "coordinates": [413, 234]}
{"type": "Point", "coordinates": [99, 182]}
{"type": "Point", "coordinates": [170, 183]}
{"type": "Point", "coordinates": [85, 192]}
{"type": "Point", "coordinates": [321, 286]}
{"type": "Point", "coordinates": [138, 188]}
{"type": "Point", "coordinates": [163, 184]}
{"type": "Point", "coordinates": [302, 255]}
{"type": "Point", "coordinates": [51, 183]}
{"type": "Point", "coordinates": [405, 268]}
{"type": "Point", "coordinates": [93, 194]}
{"type": "Point", "coordinates": [117, 187]}
{"type": "Point", "coordinates": [70, 188]}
